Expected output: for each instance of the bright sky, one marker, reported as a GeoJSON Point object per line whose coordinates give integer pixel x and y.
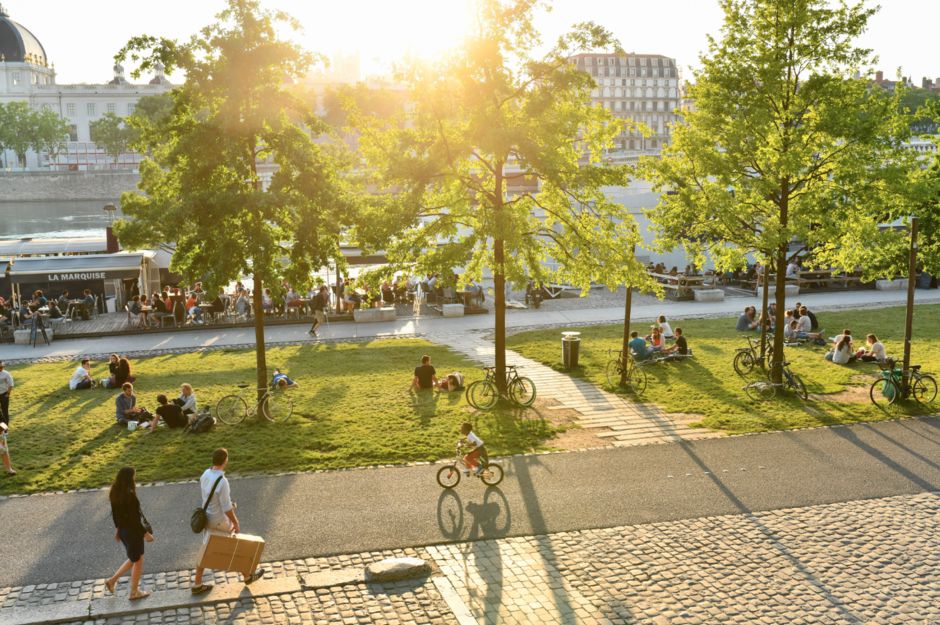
{"type": "Point", "coordinates": [81, 39]}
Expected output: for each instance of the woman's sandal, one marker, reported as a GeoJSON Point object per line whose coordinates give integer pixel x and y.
{"type": "Point", "coordinates": [140, 595]}
{"type": "Point", "coordinates": [110, 586]}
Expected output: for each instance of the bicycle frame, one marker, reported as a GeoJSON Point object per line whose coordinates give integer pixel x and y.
{"type": "Point", "coordinates": [260, 402]}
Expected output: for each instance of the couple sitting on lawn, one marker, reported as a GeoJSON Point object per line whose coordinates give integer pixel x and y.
{"type": "Point", "coordinates": [844, 353]}
{"type": "Point", "coordinates": [657, 345]}
{"type": "Point", "coordinates": [426, 378]}
{"type": "Point", "coordinates": [176, 413]}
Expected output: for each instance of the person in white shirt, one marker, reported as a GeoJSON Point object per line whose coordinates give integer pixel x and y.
{"type": "Point", "coordinates": [876, 350]}
{"type": "Point", "coordinates": [187, 400]}
{"type": "Point", "coordinates": [220, 511]}
{"type": "Point", "coordinates": [664, 327]}
{"type": "Point", "coordinates": [842, 353]}
{"type": "Point", "coordinates": [81, 379]}
{"type": "Point", "coordinates": [6, 385]}
{"type": "Point", "coordinates": [792, 268]}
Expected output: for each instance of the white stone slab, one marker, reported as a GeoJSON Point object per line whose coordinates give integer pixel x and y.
{"type": "Point", "coordinates": [887, 285]}
{"type": "Point", "coordinates": [453, 310]}
{"type": "Point", "coordinates": [373, 315]}
{"type": "Point", "coordinates": [792, 290]}
{"type": "Point", "coordinates": [709, 295]}
{"type": "Point", "coordinates": [21, 337]}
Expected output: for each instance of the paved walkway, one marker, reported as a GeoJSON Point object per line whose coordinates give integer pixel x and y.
{"type": "Point", "coordinates": [628, 423]}
{"type": "Point", "coordinates": [873, 561]}
{"type": "Point", "coordinates": [244, 337]}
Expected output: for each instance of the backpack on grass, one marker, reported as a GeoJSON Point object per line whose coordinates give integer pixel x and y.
{"type": "Point", "coordinates": [201, 424]}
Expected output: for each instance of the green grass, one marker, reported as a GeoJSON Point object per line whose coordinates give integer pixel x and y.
{"type": "Point", "coordinates": [708, 386]}
{"type": "Point", "coordinates": [352, 410]}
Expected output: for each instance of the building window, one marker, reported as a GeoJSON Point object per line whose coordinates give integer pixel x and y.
{"type": "Point", "coordinates": [112, 108]}
{"type": "Point", "coordinates": [587, 61]}
{"type": "Point", "coordinates": [632, 71]}
{"type": "Point", "coordinates": [642, 61]}
{"type": "Point", "coordinates": [632, 144]}
{"type": "Point", "coordinates": [73, 131]}
{"type": "Point", "coordinates": [47, 107]}
{"type": "Point", "coordinates": [655, 107]}
{"type": "Point", "coordinates": [643, 72]}
{"type": "Point", "coordinates": [130, 109]}
{"type": "Point", "coordinates": [70, 110]}
{"type": "Point", "coordinates": [653, 144]}
{"type": "Point", "coordinates": [16, 79]}
{"type": "Point", "coordinates": [633, 106]}
{"type": "Point", "coordinates": [91, 109]}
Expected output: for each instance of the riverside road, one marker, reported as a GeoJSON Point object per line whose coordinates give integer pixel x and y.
{"type": "Point", "coordinates": [71, 537]}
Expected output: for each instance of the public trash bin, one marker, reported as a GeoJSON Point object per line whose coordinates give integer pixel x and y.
{"type": "Point", "coordinates": [110, 304]}
{"type": "Point", "coordinates": [570, 347]}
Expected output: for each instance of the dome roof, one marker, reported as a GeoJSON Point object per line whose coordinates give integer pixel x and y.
{"type": "Point", "coordinates": [16, 42]}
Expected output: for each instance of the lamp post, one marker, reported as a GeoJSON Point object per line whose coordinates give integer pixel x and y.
{"type": "Point", "coordinates": [110, 208]}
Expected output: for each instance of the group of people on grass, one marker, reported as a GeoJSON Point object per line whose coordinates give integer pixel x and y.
{"type": "Point", "coordinates": [425, 378]}
{"type": "Point", "coordinates": [119, 372]}
{"type": "Point", "coordinates": [844, 352]}
{"type": "Point", "coordinates": [656, 341]}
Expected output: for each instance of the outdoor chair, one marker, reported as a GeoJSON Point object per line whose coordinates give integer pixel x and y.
{"type": "Point", "coordinates": [130, 321]}
{"type": "Point", "coordinates": [7, 328]}
{"type": "Point", "coordinates": [448, 297]}
{"type": "Point", "coordinates": [93, 313]}
{"type": "Point", "coordinates": [291, 309]}
{"type": "Point", "coordinates": [62, 321]}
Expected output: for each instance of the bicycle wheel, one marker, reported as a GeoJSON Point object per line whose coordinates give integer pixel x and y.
{"type": "Point", "coordinates": [760, 391]}
{"type": "Point", "coordinates": [797, 385]}
{"type": "Point", "coordinates": [636, 378]}
{"type": "Point", "coordinates": [522, 391]}
{"type": "Point", "coordinates": [492, 474]}
{"type": "Point", "coordinates": [884, 392]}
{"type": "Point", "coordinates": [483, 395]}
{"type": "Point", "coordinates": [614, 371]}
{"type": "Point", "coordinates": [231, 410]}
{"type": "Point", "coordinates": [277, 407]}
{"type": "Point", "coordinates": [924, 389]}
{"type": "Point", "coordinates": [448, 476]}
{"type": "Point", "coordinates": [743, 363]}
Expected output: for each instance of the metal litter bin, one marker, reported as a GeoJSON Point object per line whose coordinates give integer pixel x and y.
{"type": "Point", "coordinates": [570, 348]}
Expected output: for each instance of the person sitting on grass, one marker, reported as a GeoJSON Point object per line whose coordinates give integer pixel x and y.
{"type": "Point", "coordinates": [813, 323]}
{"type": "Point", "coordinates": [187, 400]}
{"type": "Point", "coordinates": [637, 346]}
{"type": "Point", "coordinates": [746, 322]}
{"type": "Point", "coordinates": [81, 379]}
{"type": "Point", "coordinates": [792, 332]}
{"type": "Point", "coordinates": [681, 346]}
{"type": "Point", "coordinates": [123, 373]}
{"type": "Point", "coordinates": [282, 381]}
{"type": "Point", "coordinates": [876, 350]}
{"type": "Point", "coordinates": [425, 377]}
{"type": "Point", "coordinates": [127, 408]}
{"type": "Point", "coordinates": [171, 414]}
{"type": "Point", "coordinates": [842, 353]}
{"type": "Point", "coordinates": [479, 450]}
{"type": "Point", "coordinates": [453, 382]}
{"type": "Point", "coordinates": [657, 342]}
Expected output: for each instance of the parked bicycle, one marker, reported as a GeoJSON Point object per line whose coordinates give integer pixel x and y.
{"type": "Point", "coordinates": [274, 405]}
{"type": "Point", "coordinates": [747, 357]}
{"type": "Point", "coordinates": [483, 394]}
{"type": "Point", "coordinates": [760, 390]}
{"type": "Point", "coordinates": [635, 377]}
{"type": "Point", "coordinates": [449, 475]}
{"type": "Point", "coordinates": [885, 391]}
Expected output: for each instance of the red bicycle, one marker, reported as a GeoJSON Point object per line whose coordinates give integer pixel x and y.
{"type": "Point", "coordinates": [449, 475]}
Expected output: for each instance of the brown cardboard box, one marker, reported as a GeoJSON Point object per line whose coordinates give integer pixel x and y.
{"type": "Point", "coordinates": [230, 552]}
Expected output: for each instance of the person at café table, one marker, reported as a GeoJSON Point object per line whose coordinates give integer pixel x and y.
{"type": "Point", "coordinates": [25, 313]}
{"type": "Point", "coordinates": [243, 304]}
{"type": "Point", "coordinates": [292, 299]}
{"type": "Point", "coordinates": [266, 302]}
{"type": "Point", "coordinates": [793, 267]}
{"type": "Point", "coordinates": [63, 302]}
{"type": "Point", "coordinates": [38, 301]}
{"type": "Point", "coordinates": [88, 303]}
{"type": "Point", "coordinates": [193, 309]}
{"type": "Point", "coordinates": [135, 311]}
{"type": "Point", "coordinates": [145, 314]}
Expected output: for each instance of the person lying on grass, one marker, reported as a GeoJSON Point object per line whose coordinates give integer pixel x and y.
{"type": "Point", "coordinates": [453, 382]}
{"type": "Point", "coordinates": [282, 381]}
{"type": "Point", "coordinates": [425, 376]}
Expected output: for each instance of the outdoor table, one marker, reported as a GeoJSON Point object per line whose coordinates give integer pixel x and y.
{"type": "Point", "coordinates": [467, 296]}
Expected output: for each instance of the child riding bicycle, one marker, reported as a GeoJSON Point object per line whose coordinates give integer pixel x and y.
{"type": "Point", "coordinates": [479, 449]}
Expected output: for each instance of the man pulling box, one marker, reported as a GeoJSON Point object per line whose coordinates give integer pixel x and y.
{"type": "Point", "coordinates": [222, 546]}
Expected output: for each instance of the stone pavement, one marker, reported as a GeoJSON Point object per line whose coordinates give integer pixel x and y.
{"type": "Point", "coordinates": [862, 562]}
{"type": "Point", "coordinates": [628, 423]}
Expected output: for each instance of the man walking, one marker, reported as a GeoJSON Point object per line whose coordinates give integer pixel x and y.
{"type": "Point", "coordinates": [220, 511]}
{"type": "Point", "coordinates": [6, 385]}
{"type": "Point", "coordinates": [319, 306]}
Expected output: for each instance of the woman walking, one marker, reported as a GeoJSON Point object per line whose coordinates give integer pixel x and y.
{"type": "Point", "coordinates": [125, 511]}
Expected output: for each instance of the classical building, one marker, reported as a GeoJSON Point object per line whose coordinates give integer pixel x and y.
{"type": "Point", "coordinates": [27, 74]}
{"type": "Point", "coordinates": [640, 87]}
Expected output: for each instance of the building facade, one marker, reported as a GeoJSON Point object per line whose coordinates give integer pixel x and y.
{"type": "Point", "coordinates": [27, 74]}
{"type": "Point", "coordinates": [640, 87]}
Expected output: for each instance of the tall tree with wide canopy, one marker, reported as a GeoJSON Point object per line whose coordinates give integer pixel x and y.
{"type": "Point", "coordinates": [204, 192]}
{"type": "Point", "coordinates": [23, 128]}
{"type": "Point", "coordinates": [784, 145]}
{"type": "Point", "coordinates": [485, 122]}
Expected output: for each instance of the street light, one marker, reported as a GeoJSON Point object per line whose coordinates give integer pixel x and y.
{"type": "Point", "coordinates": [110, 208]}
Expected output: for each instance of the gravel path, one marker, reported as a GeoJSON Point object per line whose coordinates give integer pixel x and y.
{"type": "Point", "coordinates": [598, 298]}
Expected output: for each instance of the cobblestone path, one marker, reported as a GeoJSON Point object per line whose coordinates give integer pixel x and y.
{"type": "Point", "coordinates": [863, 562]}
{"type": "Point", "coordinates": [628, 423]}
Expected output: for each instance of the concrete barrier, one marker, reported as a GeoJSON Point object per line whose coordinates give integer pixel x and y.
{"type": "Point", "coordinates": [452, 310]}
{"type": "Point", "coordinates": [709, 295]}
{"type": "Point", "coordinates": [888, 285]}
{"type": "Point", "coordinates": [373, 315]}
{"type": "Point", "coordinates": [21, 337]}
{"type": "Point", "coordinates": [792, 290]}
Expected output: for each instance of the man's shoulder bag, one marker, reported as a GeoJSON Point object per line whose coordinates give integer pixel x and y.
{"type": "Point", "coordinates": [199, 520]}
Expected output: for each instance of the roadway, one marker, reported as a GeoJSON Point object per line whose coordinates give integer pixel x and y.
{"type": "Point", "coordinates": [70, 537]}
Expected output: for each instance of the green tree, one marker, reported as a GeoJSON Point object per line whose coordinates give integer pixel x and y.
{"type": "Point", "coordinates": [496, 163]}
{"type": "Point", "coordinates": [204, 192]}
{"type": "Point", "coordinates": [338, 102]}
{"type": "Point", "coordinates": [784, 145]}
{"type": "Point", "coordinates": [23, 128]}
{"type": "Point", "coordinates": [111, 133]}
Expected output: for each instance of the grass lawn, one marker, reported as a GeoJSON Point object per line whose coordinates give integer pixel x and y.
{"type": "Point", "coordinates": [352, 410]}
{"type": "Point", "coordinates": [707, 385]}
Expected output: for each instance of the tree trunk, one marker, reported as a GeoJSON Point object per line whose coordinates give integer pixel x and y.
{"type": "Point", "coordinates": [761, 317]}
{"type": "Point", "coordinates": [262, 364]}
{"type": "Point", "coordinates": [626, 326]}
{"type": "Point", "coordinates": [499, 285]}
{"type": "Point", "coordinates": [781, 300]}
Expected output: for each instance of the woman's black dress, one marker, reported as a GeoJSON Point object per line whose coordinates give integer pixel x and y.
{"type": "Point", "coordinates": [126, 516]}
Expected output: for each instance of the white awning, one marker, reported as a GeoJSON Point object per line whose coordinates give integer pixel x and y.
{"type": "Point", "coordinates": [34, 247]}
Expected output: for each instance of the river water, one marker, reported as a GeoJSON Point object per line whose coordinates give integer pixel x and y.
{"type": "Point", "coordinates": [54, 220]}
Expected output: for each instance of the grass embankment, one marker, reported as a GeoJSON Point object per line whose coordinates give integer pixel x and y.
{"type": "Point", "coordinates": [352, 410]}
{"type": "Point", "coordinates": [708, 386]}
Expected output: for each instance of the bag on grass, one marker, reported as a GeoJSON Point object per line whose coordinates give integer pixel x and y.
{"type": "Point", "coordinates": [201, 424]}
{"type": "Point", "coordinates": [199, 520]}
{"type": "Point", "coordinates": [819, 341]}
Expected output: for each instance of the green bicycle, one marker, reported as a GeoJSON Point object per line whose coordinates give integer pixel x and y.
{"type": "Point", "coordinates": [483, 394]}
{"type": "Point", "coordinates": [274, 405]}
{"type": "Point", "coordinates": [886, 390]}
